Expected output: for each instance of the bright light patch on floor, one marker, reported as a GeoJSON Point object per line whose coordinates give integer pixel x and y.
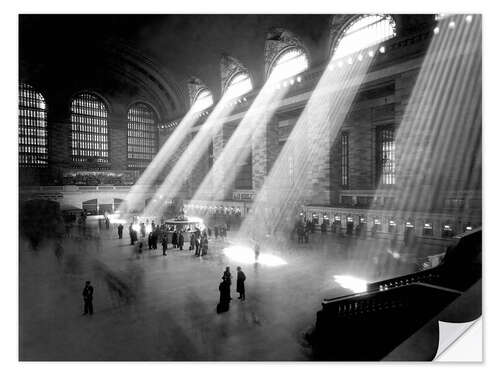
{"type": "Point", "coordinates": [246, 255]}
{"type": "Point", "coordinates": [352, 283]}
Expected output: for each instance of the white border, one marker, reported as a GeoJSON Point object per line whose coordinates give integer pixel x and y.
{"type": "Point", "coordinates": [8, 149]}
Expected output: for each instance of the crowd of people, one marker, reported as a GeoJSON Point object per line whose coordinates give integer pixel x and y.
{"type": "Point", "coordinates": [168, 234]}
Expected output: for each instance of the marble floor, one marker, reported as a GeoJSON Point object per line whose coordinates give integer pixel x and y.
{"type": "Point", "coordinates": [152, 307]}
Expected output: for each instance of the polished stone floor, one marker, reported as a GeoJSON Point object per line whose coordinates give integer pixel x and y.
{"type": "Point", "coordinates": [151, 307]}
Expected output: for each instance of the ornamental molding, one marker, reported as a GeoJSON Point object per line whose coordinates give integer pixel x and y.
{"type": "Point", "coordinates": [277, 41]}
{"type": "Point", "coordinates": [195, 85]}
{"type": "Point", "coordinates": [229, 67]}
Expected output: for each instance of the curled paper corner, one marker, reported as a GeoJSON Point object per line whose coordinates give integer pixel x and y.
{"type": "Point", "coordinates": [457, 345]}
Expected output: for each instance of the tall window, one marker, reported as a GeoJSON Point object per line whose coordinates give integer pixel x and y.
{"type": "Point", "coordinates": [239, 85]}
{"type": "Point", "coordinates": [365, 32]}
{"type": "Point", "coordinates": [203, 100]}
{"type": "Point", "coordinates": [344, 159]}
{"type": "Point", "coordinates": [386, 161]}
{"type": "Point", "coordinates": [33, 150]}
{"type": "Point", "coordinates": [89, 129]}
{"type": "Point", "coordinates": [291, 62]}
{"type": "Point", "coordinates": [141, 136]}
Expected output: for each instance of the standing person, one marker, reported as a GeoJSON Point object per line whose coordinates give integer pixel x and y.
{"type": "Point", "coordinates": [143, 230]}
{"type": "Point", "coordinates": [107, 222]}
{"type": "Point", "coordinates": [209, 232]}
{"type": "Point", "coordinates": [204, 244]}
{"type": "Point", "coordinates": [191, 243]}
{"type": "Point", "coordinates": [240, 283]}
{"type": "Point", "coordinates": [120, 231]}
{"type": "Point", "coordinates": [180, 240]}
{"type": "Point", "coordinates": [256, 250]}
{"type": "Point", "coordinates": [150, 240]}
{"type": "Point", "coordinates": [88, 294]}
{"type": "Point", "coordinates": [216, 232]}
{"type": "Point", "coordinates": [131, 234]}
{"type": "Point", "coordinates": [174, 239]}
{"type": "Point", "coordinates": [164, 244]}
{"type": "Point", "coordinates": [226, 277]}
{"type": "Point", "coordinates": [155, 239]}
{"type": "Point", "coordinates": [224, 298]}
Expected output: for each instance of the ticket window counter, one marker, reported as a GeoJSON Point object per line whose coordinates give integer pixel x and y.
{"type": "Point", "coordinates": [325, 224]}
{"type": "Point", "coordinates": [393, 226]}
{"type": "Point", "coordinates": [447, 231]}
{"type": "Point", "coordinates": [467, 227]}
{"type": "Point", "coordinates": [350, 225]}
{"type": "Point", "coordinates": [409, 236]}
{"type": "Point", "coordinates": [336, 225]}
{"type": "Point", "coordinates": [315, 218]}
{"type": "Point", "coordinates": [377, 226]}
{"type": "Point", "coordinates": [428, 229]}
{"type": "Point", "coordinates": [361, 228]}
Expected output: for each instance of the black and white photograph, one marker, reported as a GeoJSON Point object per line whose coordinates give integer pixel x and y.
{"type": "Point", "coordinates": [250, 187]}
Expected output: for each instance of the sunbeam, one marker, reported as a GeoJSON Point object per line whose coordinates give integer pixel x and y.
{"type": "Point", "coordinates": [307, 148]}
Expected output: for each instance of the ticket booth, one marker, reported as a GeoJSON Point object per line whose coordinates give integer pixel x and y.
{"type": "Point", "coordinates": [326, 220]}
{"type": "Point", "coordinates": [392, 226]}
{"type": "Point", "coordinates": [377, 226]}
{"type": "Point", "coordinates": [336, 225]}
{"type": "Point", "coordinates": [428, 229]}
{"type": "Point", "coordinates": [447, 231]}
{"type": "Point", "coordinates": [361, 228]}
{"type": "Point", "coordinates": [409, 236]}
{"type": "Point", "coordinates": [350, 225]}
{"type": "Point", "coordinates": [315, 218]}
{"type": "Point", "coordinates": [325, 223]}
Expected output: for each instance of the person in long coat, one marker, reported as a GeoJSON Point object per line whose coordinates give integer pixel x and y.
{"type": "Point", "coordinates": [240, 283]}
{"type": "Point", "coordinates": [174, 239]}
{"type": "Point", "coordinates": [88, 294]}
{"type": "Point", "coordinates": [224, 299]}
{"type": "Point", "coordinates": [192, 243]}
{"type": "Point", "coordinates": [120, 231]}
{"type": "Point", "coordinates": [131, 234]}
{"type": "Point", "coordinates": [204, 245]}
{"type": "Point", "coordinates": [164, 245]}
{"type": "Point", "coordinates": [180, 241]}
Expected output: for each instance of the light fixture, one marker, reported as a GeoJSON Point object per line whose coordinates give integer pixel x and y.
{"type": "Point", "coordinates": [371, 53]}
{"type": "Point", "coordinates": [451, 25]}
{"type": "Point", "coordinates": [382, 49]}
{"type": "Point", "coordinates": [436, 30]}
{"type": "Point", "coordinates": [340, 64]}
{"type": "Point", "coordinates": [468, 18]}
{"type": "Point", "coordinates": [349, 60]}
{"type": "Point", "coordinates": [360, 57]}
{"type": "Point", "coordinates": [330, 67]}
{"type": "Point", "coordinates": [299, 79]}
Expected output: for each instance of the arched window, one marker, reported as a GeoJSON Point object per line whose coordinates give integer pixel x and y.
{"type": "Point", "coordinates": [142, 135]}
{"type": "Point", "coordinates": [203, 100]}
{"type": "Point", "coordinates": [239, 85]}
{"type": "Point", "coordinates": [364, 32]}
{"type": "Point", "coordinates": [33, 151]}
{"type": "Point", "coordinates": [89, 129]}
{"type": "Point", "coordinates": [290, 62]}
